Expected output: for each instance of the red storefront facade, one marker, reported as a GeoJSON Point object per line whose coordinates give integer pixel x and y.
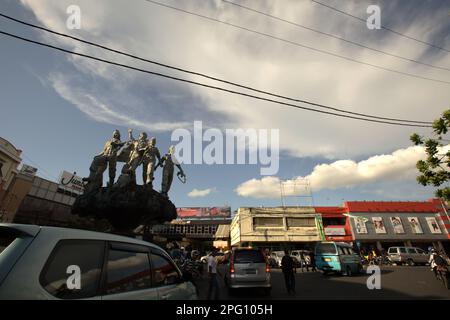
{"type": "Point", "coordinates": [335, 224]}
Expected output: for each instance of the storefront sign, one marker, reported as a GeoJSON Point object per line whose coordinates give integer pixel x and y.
{"type": "Point", "coordinates": [71, 182]}
{"type": "Point", "coordinates": [335, 231]}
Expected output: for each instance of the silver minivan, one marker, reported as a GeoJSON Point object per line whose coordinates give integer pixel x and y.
{"type": "Point", "coordinates": [248, 268]}
{"type": "Point", "coordinates": [59, 263]}
{"type": "Point", "coordinates": [408, 255]}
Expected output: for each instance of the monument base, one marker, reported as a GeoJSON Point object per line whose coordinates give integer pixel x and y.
{"type": "Point", "coordinates": [126, 207]}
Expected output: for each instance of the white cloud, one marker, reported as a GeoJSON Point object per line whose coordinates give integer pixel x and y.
{"type": "Point", "coordinates": [190, 42]}
{"type": "Point", "coordinates": [395, 167]}
{"type": "Point", "coordinates": [196, 193]}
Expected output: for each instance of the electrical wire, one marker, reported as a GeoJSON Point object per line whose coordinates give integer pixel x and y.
{"type": "Point", "coordinates": [202, 84]}
{"type": "Point", "coordinates": [298, 44]}
{"type": "Point", "coordinates": [204, 75]}
{"type": "Point", "coordinates": [383, 27]}
{"type": "Point", "coordinates": [333, 36]}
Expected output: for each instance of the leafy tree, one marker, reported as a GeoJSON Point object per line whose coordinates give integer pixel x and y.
{"type": "Point", "coordinates": [435, 169]}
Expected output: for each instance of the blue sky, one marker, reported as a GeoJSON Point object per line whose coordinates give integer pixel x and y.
{"type": "Point", "coordinates": [60, 110]}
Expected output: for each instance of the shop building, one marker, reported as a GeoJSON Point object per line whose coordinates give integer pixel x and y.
{"type": "Point", "coordinates": [200, 227]}
{"type": "Point", "coordinates": [276, 228]}
{"type": "Point", "coordinates": [9, 162]}
{"type": "Point", "coordinates": [336, 225]}
{"type": "Point", "coordinates": [382, 224]}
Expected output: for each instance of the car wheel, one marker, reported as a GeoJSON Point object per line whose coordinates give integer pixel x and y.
{"type": "Point", "coordinates": [410, 262]}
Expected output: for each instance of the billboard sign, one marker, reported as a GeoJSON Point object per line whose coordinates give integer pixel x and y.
{"type": "Point", "coordinates": [28, 170]}
{"type": "Point", "coordinates": [71, 182]}
{"type": "Point", "coordinates": [204, 212]}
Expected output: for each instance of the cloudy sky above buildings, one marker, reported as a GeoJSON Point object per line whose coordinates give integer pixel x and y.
{"type": "Point", "coordinates": [60, 109]}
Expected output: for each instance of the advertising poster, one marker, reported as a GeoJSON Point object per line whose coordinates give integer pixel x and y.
{"type": "Point", "coordinates": [433, 225]}
{"type": "Point", "coordinates": [360, 226]}
{"type": "Point", "coordinates": [415, 225]}
{"type": "Point", "coordinates": [397, 225]}
{"type": "Point", "coordinates": [204, 212]}
{"type": "Point", "coordinates": [378, 225]}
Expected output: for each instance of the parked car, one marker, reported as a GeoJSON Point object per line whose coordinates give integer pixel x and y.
{"type": "Point", "coordinates": [204, 259]}
{"type": "Point", "coordinates": [337, 257]}
{"type": "Point", "coordinates": [408, 255]}
{"type": "Point", "coordinates": [276, 257]}
{"type": "Point", "coordinates": [299, 256]}
{"type": "Point", "coordinates": [248, 268]}
{"type": "Point", "coordinates": [59, 263]}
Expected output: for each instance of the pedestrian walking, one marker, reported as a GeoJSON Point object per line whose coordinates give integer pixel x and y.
{"type": "Point", "coordinates": [213, 288]}
{"type": "Point", "coordinates": [288, 268]}
{"type": "Point", "coordinates": [312, 259]}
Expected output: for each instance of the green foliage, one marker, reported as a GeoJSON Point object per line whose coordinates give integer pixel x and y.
{"type": "Point", "coordinates": [435, 169]}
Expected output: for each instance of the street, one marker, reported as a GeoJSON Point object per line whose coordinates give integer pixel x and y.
{"type": "Point", "coordinates": [397, 282]}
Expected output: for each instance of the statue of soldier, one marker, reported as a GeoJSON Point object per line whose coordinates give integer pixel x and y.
{"type": "Point", "coordinates": [149, 162]}
{"type": "Point", "coordinates": [168, 162]}
{"type": "Point", "coordinates": [138, 149]}
{"type": "Point", "coordinates": [108, 157]}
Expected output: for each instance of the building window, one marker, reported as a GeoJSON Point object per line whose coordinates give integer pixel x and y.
{"type": "Point", "coordinates": [301, 222]}
{"type": "Point", "coordinates": [268, 222]}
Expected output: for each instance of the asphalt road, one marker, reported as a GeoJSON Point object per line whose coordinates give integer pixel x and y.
{"type": "Point", "coordinates": [397, 282]}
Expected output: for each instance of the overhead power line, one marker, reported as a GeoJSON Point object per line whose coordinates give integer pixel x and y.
{"type": "Point", "coordinates": [332, 35]}
{"type": "Point", "coordinates": [205, 85]}
{"type": "Point", "coordinates": [383, 27]}
{"type": "Point", "coordinates": [207, 76]}
{"type": "Point", "coordinates": [298, 44]}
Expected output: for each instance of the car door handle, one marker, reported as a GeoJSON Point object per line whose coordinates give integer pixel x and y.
{"type": "Point", "coordinates": [165, 297]}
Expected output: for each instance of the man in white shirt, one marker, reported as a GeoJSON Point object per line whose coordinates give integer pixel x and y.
{"type": "Point", "coordinates": [213, 278]}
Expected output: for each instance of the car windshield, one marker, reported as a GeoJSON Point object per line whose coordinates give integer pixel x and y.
{"type": "Point", "coordinates": [326, 248]}
{"type": "Point", "coordinates": [248, 256]}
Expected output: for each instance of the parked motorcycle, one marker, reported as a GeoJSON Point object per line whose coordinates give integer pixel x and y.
{"type": "Point", "coordinates": [443, 275]}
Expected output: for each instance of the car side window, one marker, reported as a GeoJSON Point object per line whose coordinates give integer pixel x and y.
{"type": "Point", "coordinates": [420, 251]}
{"type": "Point", "coordinates": [164, 272]}
{"type": "Point", "coordinates": [402, 250]}
{"type": "Point", "coordinates": [127, 271]}
{"type": "Point", "coordinates": [411, 251]}
{"type": "Point", "coordinates": [341, 250]}
{"type": "Point", "coordinates": [73, 269]}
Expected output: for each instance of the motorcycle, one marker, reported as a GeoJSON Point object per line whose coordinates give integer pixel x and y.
{"type": "Point", "coordinates": [443, 275]}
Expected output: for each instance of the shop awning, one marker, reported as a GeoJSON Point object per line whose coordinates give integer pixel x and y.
{"type": "Point", "coordinates": [223, 231]}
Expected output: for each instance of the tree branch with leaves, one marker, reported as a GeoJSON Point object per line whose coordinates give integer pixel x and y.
{"type": "Point", "coordinates": [435, 169]}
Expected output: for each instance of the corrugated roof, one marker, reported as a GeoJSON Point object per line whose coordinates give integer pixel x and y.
{"type": "Point", "coordinates": [432, 205]}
